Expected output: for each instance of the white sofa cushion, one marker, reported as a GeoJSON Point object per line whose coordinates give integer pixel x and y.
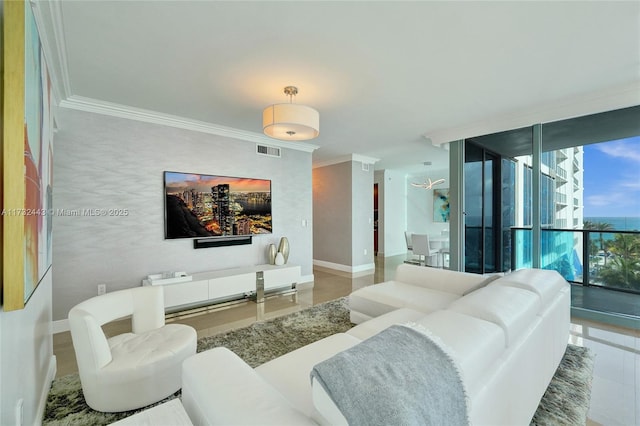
{"type": "Point", "coordinates": [141, 354]}
{"type": "Point", "coordinates": [220, 388]}
{"type": "Point", "coordinates": [545, 283]}
{"type": "Point", "coordinates": [474, 343]}
{"type": "Point", "coordinates": [511, 308]}
{"type": "Point", "coordinates": [385, 297]}
{"type": "Point", "coordinates": [290, 373]}
{"type": "Point", "coordinates": [375, 325]}
{"type": "Point", "coordinates": [455, 282]}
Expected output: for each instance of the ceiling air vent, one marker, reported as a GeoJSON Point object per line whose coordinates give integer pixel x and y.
{"type": "Point", "coordinates": [271, 151]}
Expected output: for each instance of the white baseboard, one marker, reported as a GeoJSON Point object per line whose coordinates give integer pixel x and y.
{"type": "Point", "coordinates": [392, 254]}
{"type": "Point", "coordinates": [60, 326]}
{"type": "Point", "coordinates": [307, 279]}
{"type": "Point", "coordinates": [344, 268]}
{"type": "Point", "coordinates": [51, 374]}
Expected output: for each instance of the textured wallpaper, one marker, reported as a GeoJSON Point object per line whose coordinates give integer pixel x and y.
{"type": "Point", "coordinates": [109, 202]}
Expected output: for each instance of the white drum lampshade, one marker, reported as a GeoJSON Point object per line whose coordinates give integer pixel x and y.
{"type": "Point", "coordinates": [291, 122]}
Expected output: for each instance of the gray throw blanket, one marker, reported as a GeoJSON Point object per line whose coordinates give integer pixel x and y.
{"type": "Point", "coordinates": [400, 376]}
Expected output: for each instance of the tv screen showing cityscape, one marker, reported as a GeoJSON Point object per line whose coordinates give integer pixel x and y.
{"type": "Point", "coordinates": [199, 205]}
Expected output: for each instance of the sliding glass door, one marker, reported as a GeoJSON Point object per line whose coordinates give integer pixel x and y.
{"type": "Point", "coordinates": [481, 173]}
{"type": "Point", "coordinates": [490, 199]}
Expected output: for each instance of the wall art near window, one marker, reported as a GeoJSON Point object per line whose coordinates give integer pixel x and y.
{"type": "Point", "coordinates": [441, 211]}
{"type": "Point", "coordinates": [28, 158]}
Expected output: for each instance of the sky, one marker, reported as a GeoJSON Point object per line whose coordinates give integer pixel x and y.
{"type": "Point", "coordinates": [612, 178]}
{"type": "Point", "coordinates": [203, 183]}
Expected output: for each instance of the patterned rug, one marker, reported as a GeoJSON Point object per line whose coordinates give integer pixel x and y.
{"type": "Point", "coordinates": [566, 401]}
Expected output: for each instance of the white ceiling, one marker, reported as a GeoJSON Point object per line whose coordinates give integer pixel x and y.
{"type": "Point", "coordinates": [382, 74]}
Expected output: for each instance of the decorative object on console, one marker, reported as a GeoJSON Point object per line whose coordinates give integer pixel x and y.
{"type": "Point", "coordinates": [283, 248]}
{"type": "Point", "coordinates": [272, 254]}
{"type": "Point", "coordinates": [169, 278]}
{"type": "Point", "coordinates": [290, 122]}
{"type": "Point", "coordinates": [279, 259]}
{"type": "Point", "coordinates": [203, 206]}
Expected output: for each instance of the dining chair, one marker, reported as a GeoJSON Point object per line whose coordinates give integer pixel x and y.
{"type": "Point", "coordinates": [407, 238]}
{"type": "Point", "coordinates": [421, 247]}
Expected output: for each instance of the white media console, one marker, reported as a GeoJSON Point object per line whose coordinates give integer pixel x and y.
{"type": "Point", "coordinates": [229, 284]}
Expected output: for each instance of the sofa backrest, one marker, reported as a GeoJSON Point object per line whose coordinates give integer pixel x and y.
{"type": "Point", "coordinates": [455, 282]}
{"type": "Point", "coordinates": [545, 283]}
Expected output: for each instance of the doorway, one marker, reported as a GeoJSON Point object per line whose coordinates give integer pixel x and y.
{"type": "Point", "coordinates": [375, 219]}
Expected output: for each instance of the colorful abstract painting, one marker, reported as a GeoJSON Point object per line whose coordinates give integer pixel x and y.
{"type": "Point", "coordinates": [27, 136]}
{"type": "Point", "coordinates": [441, 211]}
{"type": "Point", "coordinates": [38, 159]}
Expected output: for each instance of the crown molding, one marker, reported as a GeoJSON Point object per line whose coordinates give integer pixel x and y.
{"type": "Point", "coordinates": [81, 103]}
{"type": "Point", "coordinates": [346, 158]}
{"type": "Point", "coordinates": [48, 17]}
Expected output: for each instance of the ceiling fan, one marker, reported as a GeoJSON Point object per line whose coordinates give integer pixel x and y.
{"type": "Point", "coordinates": [428, 185]}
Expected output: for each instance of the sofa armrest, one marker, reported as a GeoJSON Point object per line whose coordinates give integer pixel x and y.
{"type": "Point", "coordinates": [460, 283]}
{"type": "Point", "coordinates": [220, 388]}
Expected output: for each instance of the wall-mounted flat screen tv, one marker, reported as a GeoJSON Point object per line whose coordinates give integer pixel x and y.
{"type": "Point", "coordinates": [199, 205]}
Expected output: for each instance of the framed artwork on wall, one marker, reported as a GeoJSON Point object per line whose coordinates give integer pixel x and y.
{"type": "Point", "coordinates": [441, 211]}
{"type": "Point", "coordinates": [27, 158]}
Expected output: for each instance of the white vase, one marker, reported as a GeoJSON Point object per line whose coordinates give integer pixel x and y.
{"type": "Point", "coordinates": [284, 248]}
{"type": "Point", "coordinates": [272, 254]}
{"type": "Point", "coordinates": [279, 259]}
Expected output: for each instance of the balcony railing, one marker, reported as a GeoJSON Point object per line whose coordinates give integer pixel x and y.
{"type": "Point", "coordinates": [612, 257]}
{"type": "Point", "coordinates": [561, 173]}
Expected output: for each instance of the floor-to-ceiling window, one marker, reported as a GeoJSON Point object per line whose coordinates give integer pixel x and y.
{"type": "Point", "coordinates": [481, 222]}
{"type": "Point", "coordinates": [492, 200]}
{"type": "Point", "coordinates": [585, 218]}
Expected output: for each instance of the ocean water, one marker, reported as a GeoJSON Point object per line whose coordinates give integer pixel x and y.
{"type": "Point", "coordinates": [618, 223]}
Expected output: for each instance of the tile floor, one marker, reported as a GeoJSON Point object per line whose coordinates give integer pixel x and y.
{"type": "Point", "coordinates": [615, 398]}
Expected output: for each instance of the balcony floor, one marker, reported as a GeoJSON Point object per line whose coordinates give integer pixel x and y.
{"type": "Point", "coordinates": [613, 307]}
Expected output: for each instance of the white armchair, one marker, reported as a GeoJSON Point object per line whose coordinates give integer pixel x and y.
{"type": "Point", "coordinates": [134, 369]}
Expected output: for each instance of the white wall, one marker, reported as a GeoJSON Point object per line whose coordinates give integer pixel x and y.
{"type": "Point", "coordinates": [392, 212]}
{"type": "Point", "coordinates": [104, 162]}
{"type": "Point", "coordinates": [420, 204]}
{"type": "Point", "coordinates": [362, 216]}
{"type": "Point", "coordinates": [404, 207]}
{"type": "Point", "coordinates": [343, 216]}
{"type": "Point", "coordinates": [332, 214]}
{"type": "Point", "coordinates": [27, 364]}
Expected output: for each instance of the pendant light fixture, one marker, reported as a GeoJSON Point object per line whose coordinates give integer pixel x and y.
{"type": "Point", "coordinates": [430, 184]}
{"type": "Point", "coordinates": [291, 122]}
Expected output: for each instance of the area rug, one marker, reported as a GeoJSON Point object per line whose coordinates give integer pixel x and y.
{"type": "Point", "coordinates": [566, 401]}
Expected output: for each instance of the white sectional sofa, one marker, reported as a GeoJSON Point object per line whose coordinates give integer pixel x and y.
{"type": "Point", "coordinates": [423, 289]}
{"type": "Point", "coordinates": [507, 337]}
